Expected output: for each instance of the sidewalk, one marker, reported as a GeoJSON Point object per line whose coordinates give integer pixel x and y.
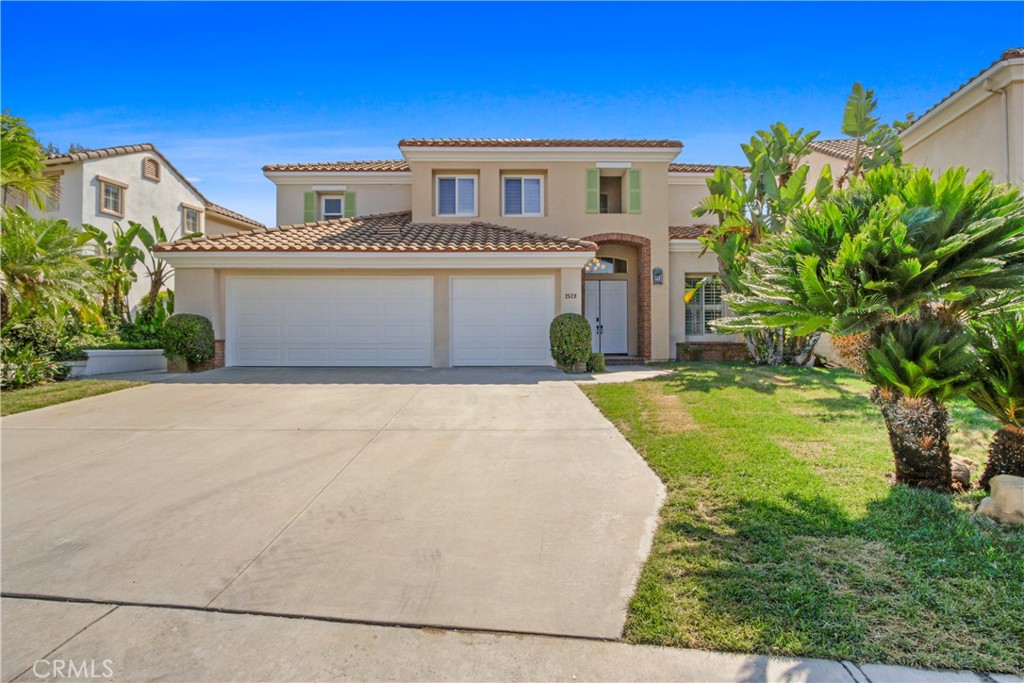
{"type": "Point", "coordinates": [156, 643]}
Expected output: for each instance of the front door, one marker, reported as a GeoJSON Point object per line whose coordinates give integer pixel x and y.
{"type": "Point", "coordinates": [606, 311]}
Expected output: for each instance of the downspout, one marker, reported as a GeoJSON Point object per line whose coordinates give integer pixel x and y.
{"type": "Point", "coordinates": [1006, 128]}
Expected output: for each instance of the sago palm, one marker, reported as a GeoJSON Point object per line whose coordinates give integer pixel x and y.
{"type": "Point", "coordinates": [999, 390]}
{"type": "Point", "coordinates": [897, 245]}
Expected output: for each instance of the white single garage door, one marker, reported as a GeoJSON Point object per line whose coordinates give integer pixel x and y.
{"type": "Point", "coordinates": [321, 321]}
{"type": "Point", "coordinates": [501, 320]}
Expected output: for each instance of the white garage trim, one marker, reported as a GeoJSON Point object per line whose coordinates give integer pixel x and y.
{"type": "Point", "coordinates": [332, 320]}
{"type": "Point", "coordinates": [363, 259]}
{"type": "Point", "coordinates": [500, 319]}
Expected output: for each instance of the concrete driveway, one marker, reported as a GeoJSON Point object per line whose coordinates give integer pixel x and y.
{"type": "Point", "coordinates": [484, 499]}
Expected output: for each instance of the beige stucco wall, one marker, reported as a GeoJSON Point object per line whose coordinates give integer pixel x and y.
{"type": "Point", "coordinates": [979, 139]}
{"type": "Point", "coordinates": [217, 225]}
{"type": "Point", "coordinates": [683, 198]}
{"type": "Point", "coordinates": [371, 198]}
{"type": "Point", "coordinates": [203, 291]}
{"type": "Point", "coordinates": [817, 163]}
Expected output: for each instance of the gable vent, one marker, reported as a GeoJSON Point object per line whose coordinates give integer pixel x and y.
{"type": "Point", "coordinates": [150, 168]}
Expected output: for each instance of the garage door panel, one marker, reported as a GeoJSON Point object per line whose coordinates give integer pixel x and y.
{"type": "Point", "coordinates": [321, 321]}
{"type": "Point", "coordinates": [501, 320]}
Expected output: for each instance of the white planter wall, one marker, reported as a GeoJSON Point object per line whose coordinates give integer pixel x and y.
{"type": "Point", "coordinates": [104, 362]}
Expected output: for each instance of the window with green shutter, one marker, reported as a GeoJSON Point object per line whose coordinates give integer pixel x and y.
{"type": "Point", "coordinates": [593, 190]}
{"type": "Point", "coordinates": [634, 190]}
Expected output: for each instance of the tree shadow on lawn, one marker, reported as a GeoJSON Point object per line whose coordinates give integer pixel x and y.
{"type": "Point", "coordinates": [913, 581]}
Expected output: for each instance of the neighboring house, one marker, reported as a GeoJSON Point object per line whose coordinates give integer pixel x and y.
{"type": "Point", "coordinates": [461, 253]}
{"type": "Point", "coordinates": [133, 182]}
{"type": "Point", "coordinates": [980, 125]}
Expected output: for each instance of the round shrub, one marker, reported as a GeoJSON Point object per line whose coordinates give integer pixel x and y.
{"type": "Point", "coordinates": [570, 340]}
{"type": "Point", "coordinates": [188, 336]}
{"type": "Point", "coordinates": [596, 363]}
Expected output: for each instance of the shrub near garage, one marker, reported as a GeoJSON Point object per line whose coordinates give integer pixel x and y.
{"type": "Point", "coordinates": [570, 340]}
{"type": "Point", "coordinates": [188, 336]}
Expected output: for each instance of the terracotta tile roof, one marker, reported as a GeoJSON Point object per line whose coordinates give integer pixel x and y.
{"type": "Point", "coordinates": [701, 168]}
{"type": "Point", "coordinates": [530, 142]}
{"type": "Point", "coordinates": [228, 213]}
{"type": "Point", "coordinates": [388, 232]}
{"type": "Point", "coordinates": [687, 232]}
{"type": "Point", "coordinates": [383, 166]}
{"type": "Point", "coordinates": [840, 149]}
{"type": "Point", "coordinates": [89, 154]}
{"type": "Point", "coordinates": [1012, 53]}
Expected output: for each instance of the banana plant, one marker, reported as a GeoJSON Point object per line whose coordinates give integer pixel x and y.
{"type": "Point", "coordinates": [156, 268]}
{"type": "Point", "coordinates": [877, 144]}
{"type": "Point", "coordinates": [114, 259]}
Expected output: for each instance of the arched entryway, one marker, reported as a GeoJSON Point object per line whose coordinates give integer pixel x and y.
{"type": "Point", "coordinates": [633, 276]}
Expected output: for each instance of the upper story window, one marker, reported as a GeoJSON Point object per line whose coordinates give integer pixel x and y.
{"type": "Point", "coordinates": [332, 206]}
{"type": "Point", "coordinates": [456, 195]}
{"type": "Point", "coordinates": [613, 189]}
{"type": "Point", "coordinates": [151, 168]}
{"type": "Point", "coordinates": [523, 195]}
{"type": "Point", "coordinates": [191, 219]}
{"type": "Point", "coordinates": [112, 198]}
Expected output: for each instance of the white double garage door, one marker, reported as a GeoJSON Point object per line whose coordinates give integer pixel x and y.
{"type": "Point", "coordinates": [386, 321]}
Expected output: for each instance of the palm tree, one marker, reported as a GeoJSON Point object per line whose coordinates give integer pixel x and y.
{"type": "Point", "coordinates": [21, 162]}
{"type": "Point", "coordinates": [1000, 390]}
{"type": "Point", "coordinates": [895, 246]}
{"type": "Point", "coordinates": [42, 269]}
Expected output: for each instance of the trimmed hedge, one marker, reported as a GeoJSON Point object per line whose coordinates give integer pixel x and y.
{"type": "Point", "coordinates": [188, 336]}
{"type": "Point", "coordinates": [596, 363]}
{"type": "Point", "coordinates": [570, 340]}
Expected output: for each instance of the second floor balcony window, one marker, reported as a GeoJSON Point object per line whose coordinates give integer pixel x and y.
{"type": "Point", "coordinates": [456, 195]}
{"type": "Point", "coordinates": [523, 196]}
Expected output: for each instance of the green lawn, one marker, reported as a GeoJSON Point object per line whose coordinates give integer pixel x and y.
{"type": "Point", "coordinates": [782, 534]}
{"type": "Point", "coordinates": [20, 400]}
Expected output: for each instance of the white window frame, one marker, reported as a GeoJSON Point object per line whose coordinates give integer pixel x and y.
{"type": "Point", "coordinates": [704, 334]}
{"type": "Point", "coordinates": [198, 211]}
{"type": "Point", "coordinates": [456, 178]}
{"type": "Point", "coordinates": [323, 210]}
{"type": "Point", "coordinates": [122, 189]}
{"type": "Point", "coordinates": [522, 194]}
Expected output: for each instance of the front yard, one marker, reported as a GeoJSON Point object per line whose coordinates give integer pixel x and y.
{"type": "Point", "coordinates": [782, 534]}
{"type": "Point", "coordinates": [20, 400]}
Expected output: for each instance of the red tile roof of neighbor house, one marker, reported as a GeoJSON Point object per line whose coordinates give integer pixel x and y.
{"type": "Point", "coordinates": [219, 210]}
{"type": "Point", "coordinates": [387, 232]}
{"type": "Point", "coordinates": [701, 168]}
{"type": "Point", "coordinates": [382, 166]}
{"type": "Point", "coordinates": [530, 142]}
{"type": "Point", "coordinates": [840, 149]}
{"type": "Point", "coordinates": [687, 232]}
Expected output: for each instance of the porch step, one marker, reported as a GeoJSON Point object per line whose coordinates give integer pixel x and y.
{"type": "Point", "coordinates": [624, 360]}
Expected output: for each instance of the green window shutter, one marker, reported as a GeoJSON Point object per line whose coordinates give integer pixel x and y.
{"type": "Point", "coordinates": [309, 207]}
{"type": "Point", "coordinates": [593, 190]}
{"type": "Point", "coordinates": [634, 190]}
{"type": "Point", "coordinates": [350, 204]}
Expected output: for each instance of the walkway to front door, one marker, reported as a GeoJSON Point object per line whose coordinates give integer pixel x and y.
{"type": "Point", "coordinates": [605, 305]}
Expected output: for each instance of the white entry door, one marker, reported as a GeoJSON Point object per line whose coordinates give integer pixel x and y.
{"type": "Point", "coordinates": [321, 321]}
{"type": "Point", "coordinates": [605, 304]}
{"type": "Point", "coordinates": [501, 320]}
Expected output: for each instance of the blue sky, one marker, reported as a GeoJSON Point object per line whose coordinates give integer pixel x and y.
{"type": "Point", "coordinates": [223, 88]}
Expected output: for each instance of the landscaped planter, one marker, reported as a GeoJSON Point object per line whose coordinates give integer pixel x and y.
{"type": "Point", "coordinates": [106, 362]}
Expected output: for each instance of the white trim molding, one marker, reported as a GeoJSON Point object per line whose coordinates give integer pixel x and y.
{"type": "Point", "coordinates": [685, 246]}
{"type": "Point", "coordinates": [358, 178]}
{"type": "Point", "coordinates": [364, 260]}
{"type": "Point", "coordinates": [518, 154]}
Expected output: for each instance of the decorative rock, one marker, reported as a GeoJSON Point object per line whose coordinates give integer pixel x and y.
{"type": "Point", "coordinates": [1006, 504]}
{"type": "Point", "coordinates": [962, 468]}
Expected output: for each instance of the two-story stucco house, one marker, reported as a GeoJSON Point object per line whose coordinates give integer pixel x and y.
{"type": "Point", "coordinates": [101, 187]}
{"type": "Point", "coordinates": [461, 253]}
